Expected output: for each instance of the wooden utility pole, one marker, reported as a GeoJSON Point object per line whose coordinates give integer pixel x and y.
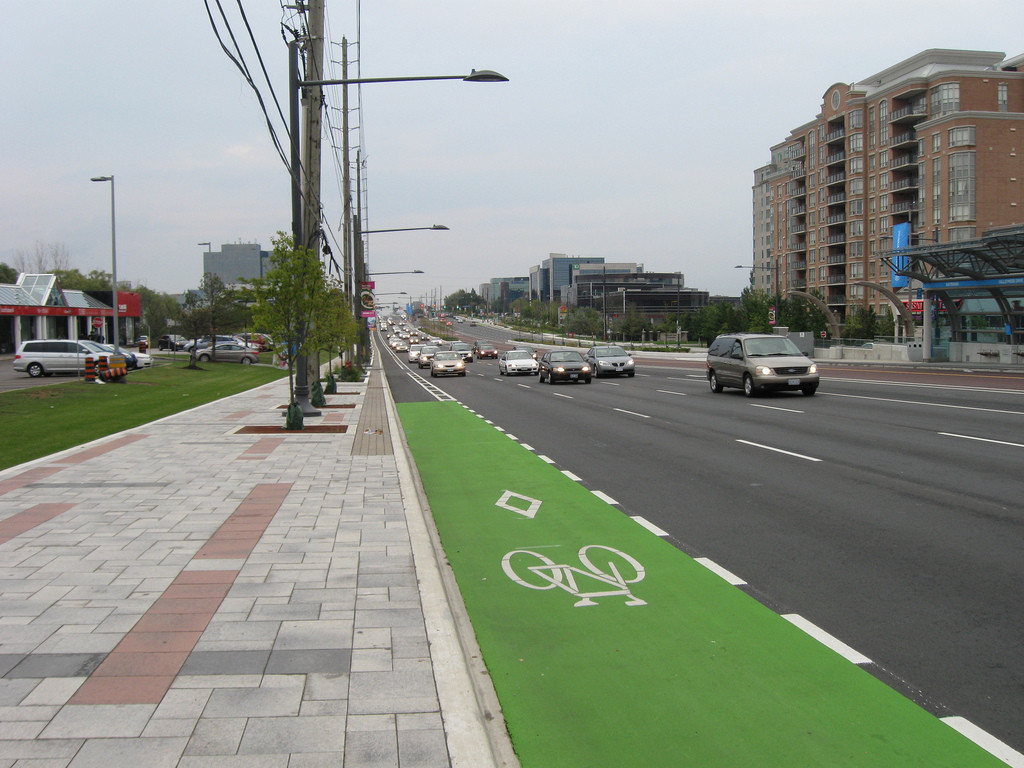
{"type": "Point", "coordinates": [312, 103]}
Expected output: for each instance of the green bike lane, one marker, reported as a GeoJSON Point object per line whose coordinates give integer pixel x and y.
{"type": "Point", "coordinates": [607, 646]}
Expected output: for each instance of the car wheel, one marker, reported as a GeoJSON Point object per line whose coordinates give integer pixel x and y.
{"type": "Point", "coordinates": [35, 370]}
{"type": "Point", "coordinates": [631, 374]}
{"type": "Point", "coordinates": [433, 375]}
{"type": "Point", "coordinates": [748, 385]}
{"type": "Point", "coordinates": [808, 391]}
{"type": "Point", "coordinates": [586, 380]}
{"type": "Point", "coordinates": [713, 381]}
{"type": "Point", "coordinates": [203, 358]}
{"type": "Point", "coordinates": [551, 378]}
{"type": "Point", "coordinates": [246, 361]}
{"type": "Point", "coordinates": [462, 374]}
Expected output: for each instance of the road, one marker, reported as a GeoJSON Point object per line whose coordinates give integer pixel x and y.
{"type": "Point", "coordinates": [886, 509]}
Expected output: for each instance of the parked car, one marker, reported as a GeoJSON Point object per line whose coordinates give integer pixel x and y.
{"type": "Point", "coordinates": [484, 349]}
{"type": "Point", "coordinates": [448, 363]}
{"type": "Point", "coordinates": [171, 341]}
{"type": "Point", "coordinates": [759, 362]}
{"type": "Point", "coordinates": [610, 360]}
{"type": "Point", "coordinates": [204, 341]}
{"type": "Point", "coordinates": [45, 357]}
{"type": "Point", "coordinates": [517, 361]}
{"type": "Point", "coordinates": [464, 349]}
{"type": "Point", "coordinates": [260, 341]}
{"type": "Point", "coordinates": [228, 352]}
{"type": "Point", "coordinates": [563, 365]}
{"type": "Point", "coordinates": [423, 361]}
{"type": "Point", "coordinates": [132, 360]}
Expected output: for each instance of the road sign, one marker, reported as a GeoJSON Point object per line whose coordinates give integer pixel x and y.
{"type": "Point", "coordinates": [97, 322]}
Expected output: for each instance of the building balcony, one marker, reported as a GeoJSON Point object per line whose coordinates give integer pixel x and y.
{"type": "Point", "coordinates": [835, 135]}
{"type": "Point", "coordinates": [835, 157]}
{"type": "Point", "coordinates": [798, 283]}
{"type": "Point", "coordinates": [797, 210]}
{"type": "Point", "coordinates": [904, 206]}
{"type": "Point", "coordinates": [912, 113]}
{"type": "Point", "coordinates": [797, 227]}
{"type": "Point", "coordinates": [833, 239]}
{"type": "Point", "coordinates": [836, 258]}
{"type": "Point", "coordinates": [796, 190]}
{"type": "Point", "coordinates": [835, 298]}
{"type": "Point", "coordinates": [902, 139]}
{"type": "Point", "coordinates": [837, 197]}
{"type": "Point", "coordinates": [904, 160]}
{"type": "Point", "coordinates": [798, 264]}
{"type": "Point", "coordinates": [835, 279]}
{"type": "Point", "coordinates": [904, 183]}
{"type": "Point", "coordinates": [835, 178]}
{"type": "Point", "coordinates": [836, 218]}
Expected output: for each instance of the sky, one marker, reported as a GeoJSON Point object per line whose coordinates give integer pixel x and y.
{"type": "Point", "coordinates": [628, 130]}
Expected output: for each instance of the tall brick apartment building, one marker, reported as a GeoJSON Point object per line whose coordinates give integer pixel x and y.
{"type": "Point", "coordinates": [936, 140]}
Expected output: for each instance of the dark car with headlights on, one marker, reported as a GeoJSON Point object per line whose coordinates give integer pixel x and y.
{"type": "Point", "coordinates": [610, 360]}
{"type": "Point", "coordinates": [447, 363]}
{"type": "Point", "coordinates": [464, 349]}
{"type": "Point", "coordinates": [759, 362]}
{"type": "Point", "coordinates": [564, 365]}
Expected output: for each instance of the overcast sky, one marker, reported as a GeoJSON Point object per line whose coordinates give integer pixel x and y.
{"type": "Point", "coordinates": [628, 130]}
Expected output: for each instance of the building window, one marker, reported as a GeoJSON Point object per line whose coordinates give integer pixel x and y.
{"type": "Point", "coordinates": [883, 122]}
{"type": "Point", "coordinates": [856, 142]}
{"type": "Point", "coordinates": [959, 234]}
{"type": "Point", "coordinates": [855, 119]}
{"type": "Point", "coordinates": [856, 207]}
{"type": "Point", "coordinates": [945, 99]}
{"type": "Point", "coordinates": [962, 136]}
{"type": "Point", "coordinates": [884, 223]}
{"type": "Point", "coordinates": [1003, 97]}
{"type": "Point", "coordinates": [857, 186]}
{"type": "Point", "coordinates": [872, 130]}
{"type": "Point", "coordinates": [961, 186]}
{"type": "Point", "coordinates": [936, 191]}
{"type": "Point", "coordinates": [883, 158]}
{"type": "Point", "coordinates": [883, 202]}
{"type": "Point", "coordinates": [883, 180]}
{"type": "Point", "coordinates": [936, 142]}
{"type": "Point", "coordinates": [856, 165]}
{"type": "Point", "coordinates": [856, 270]}
{"type": "Point", "coordinates": [856, 228]}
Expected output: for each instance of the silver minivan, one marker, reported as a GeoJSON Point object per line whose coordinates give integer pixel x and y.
{"type": "Point", "coordinates": [45, 358]}
{"type": "Point", "coordinates": [759, 362]}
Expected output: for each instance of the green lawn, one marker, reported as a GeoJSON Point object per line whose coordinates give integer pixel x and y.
{"type": "Point", "coordinates": [42, 420]}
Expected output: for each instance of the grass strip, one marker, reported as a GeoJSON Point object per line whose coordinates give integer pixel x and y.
{"type": "Point", "coordinates": [42, 420]}
{"type": "Point", "coordinates": [701, 674]}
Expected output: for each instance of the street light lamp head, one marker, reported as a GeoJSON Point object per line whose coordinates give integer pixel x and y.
{"type": "Point", "coordinates": [102, 178]}
{"type": "Point", "coordinates": [485, 76]}
{"type": "Point", "coordinates": [439, 226]}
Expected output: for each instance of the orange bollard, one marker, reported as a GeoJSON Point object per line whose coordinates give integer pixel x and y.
{"type": "Point", "coordinates": [90, 368]}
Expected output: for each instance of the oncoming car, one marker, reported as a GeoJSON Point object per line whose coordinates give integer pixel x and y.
{"type": "Point", "coordinates": [517, 361]}
{"type": "Point", "coordinates": [447, 363]}
{"type": "Point", "coordinates": [610, 360]}
{"type": "Point", "coordinates": [563, 365]}
{"type": "Point", "coordinates": [759, 362]}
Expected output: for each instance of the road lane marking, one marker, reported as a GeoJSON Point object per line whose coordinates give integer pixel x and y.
{"type": "Point", "coordinates": [982, 439]}
{"type": "Point", "coordinates": [631, 413]}
{"type": "Point", "coordinates": [778, 450]}
{"type": "Point", "coordinates": [919, 402]}
{"type": "Point", "coordinates": [826, 639]}
{"type": "Point", "coordinates": [527, 447]}
{"type": "Point", "coordinates": [775, 408]}
{"type": "Point", "coordinates": [986, 741]}
{"type": "Point", "coordinates": [545, 459]}
{"type": "Point", "coordinates": [559, 394]}
{"type": "Point", "coordinates": [571, 476]}
{"type": "Point", "coordinates": [670, 392]}
{"type": "Point", "coordinates": [524, 386]}
{"type": "Point", "coordinates": [715, 568]}
{"type": "Point", "coordinates": [604, 497]}
{"type": "Point", "coordinates": [650, 526]}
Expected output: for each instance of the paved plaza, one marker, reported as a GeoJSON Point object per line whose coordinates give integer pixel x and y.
{"type": "Point", "coordinates": [211, 590]}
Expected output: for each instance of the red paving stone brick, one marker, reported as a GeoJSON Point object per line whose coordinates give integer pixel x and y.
{"type": "Point", "coordinates": [99, 450]}
{"type": "Point", "coordinates": [19, 523]}
{"type": "Point", "coordinates": [122, 690]}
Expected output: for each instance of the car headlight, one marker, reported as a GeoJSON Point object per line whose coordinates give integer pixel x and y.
{"type": "Point", "coordinates": [586, 369]}
{"type": "Point", "coordinates": [763, 370]}
{"type": "Point", "coordinates": [560, 369]}
{"type": "Point", "coordinates": [813, 368]}
{"type": "Point", "coordinates": [460, 364]}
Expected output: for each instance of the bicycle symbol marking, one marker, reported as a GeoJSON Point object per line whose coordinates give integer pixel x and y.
{"type": "Point", "coordinates": [609, 567]}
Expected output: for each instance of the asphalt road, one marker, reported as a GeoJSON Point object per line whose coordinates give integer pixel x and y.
{"type": "Point", "coordinates": [886, 509]}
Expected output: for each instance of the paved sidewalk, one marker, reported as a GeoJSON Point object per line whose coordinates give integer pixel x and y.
{"type": "Point", "coordinates": [190, 594]}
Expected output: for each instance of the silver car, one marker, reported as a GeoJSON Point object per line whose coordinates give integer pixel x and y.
{"type": "Point", "coordinates": [517, 361]}
{"type": "Point", "coordinates": [414, 352]}
{"type": "Point", "coordinates": [610, 360]}
{"type": "Point", "coordinates": [759, 362]}
{"type": "Point", "coordinates": [423, 361]}
{"type": "Point", "coordinates": [447, 363]}
{"type": "Point", "coordinates": [228, 352]}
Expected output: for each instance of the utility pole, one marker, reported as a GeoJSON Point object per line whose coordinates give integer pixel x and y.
{"type": "Point", "coordinates": [312, 102]}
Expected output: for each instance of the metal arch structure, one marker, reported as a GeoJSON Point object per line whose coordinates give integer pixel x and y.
{"type": "Point", "coordinates": [834, 325]}
{"type": "Point", "coordinates": [905, 314]}
{"type": "Point", "coordinates": [990, 265]}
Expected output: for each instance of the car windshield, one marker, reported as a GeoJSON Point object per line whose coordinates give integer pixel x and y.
{"type": "Point", "coordinates": [428, 349]}
{"type": "Point", "coordinates": [565, 357]}
{"type": "Point", "coordinates": [769, 347]}
{"type": "Point", "coordinates": [447, 356]}
{"type": "Point", "coordinates": [609, 352]}
{"type": "Point", "coordinates": [517, 354]}
{"type": "Point", "coordinates": [485, 346]}
{"type": "Point", "coordinates": [461, 345]}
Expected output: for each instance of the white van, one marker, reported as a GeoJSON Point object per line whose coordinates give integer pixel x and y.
{"type": "Point", "coordinates": [45, 358]}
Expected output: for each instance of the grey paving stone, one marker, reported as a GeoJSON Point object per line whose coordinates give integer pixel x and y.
{"type": "Point", "coordinates": [216, 736]}
{"type": "Point", "coordinates": [422, 749]}
{"type": "Point", "coordinates": [371, 749]}
{"type": "Point", "coordinates": [325, 661]}
{"type": "Point", "coordinates": [108, 753]}
{"type": "Point", "coordinates": [269, 735]}
{"type": "Point", "coordinates": [225, 662]}
{"type": "Point", "coordinates": [99, 721]}
{"type": "Point", "coordinates": [57, 665]}
{"type": "Point", "coordinates": [253, 702]}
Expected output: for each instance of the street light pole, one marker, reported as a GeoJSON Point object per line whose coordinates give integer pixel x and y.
{"type": "Point", "coordinates": [113, 258]}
